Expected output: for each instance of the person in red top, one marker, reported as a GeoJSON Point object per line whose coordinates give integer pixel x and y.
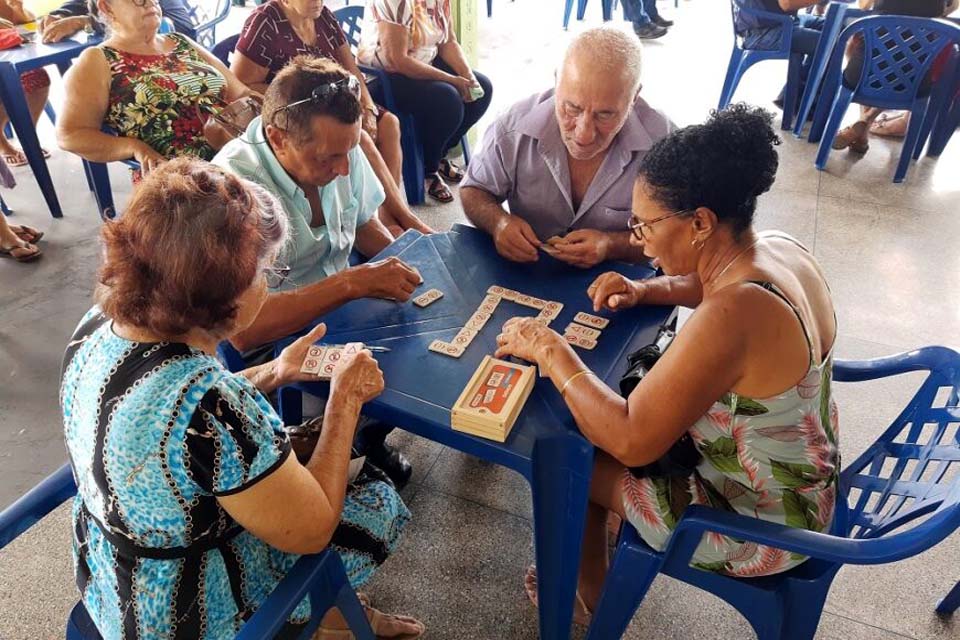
{"type": "Point", "coordinates": [276, 32]}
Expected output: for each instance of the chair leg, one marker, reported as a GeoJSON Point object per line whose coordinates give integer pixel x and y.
{"type": "Point", "coordinates": [734, 72]}
{"type": "Point", "coordinates": [4, 208]}
{"type": "Point", "coordinates": [350, 608]}
{"type": "Point", "coordinates": [628, 580]}
{"type": "Point", "coordinates": [912, 140]}
{"type": "Point", "coordinates": [48, 109]}
{"type": "Point", "coordinates": [802, 609]}
{"type": "Point", "coordinates": [412, 168]}
{"type": "Point", "coordinates": [793, 90]}
{"type": "Point", "coordinates": [581, 9]}
{"type": "Point", "coordinates": [489, 8]}
{"type": "Point", "coordinates": [567, 9]}
{"type": "Point", "coordinates": [839, 109]}
{"type": "Point", "coordinates": [465, 147]}
{"type": "Point", "coordinates": [98, 175]}
{"type": "Point", "coordinates": [951, 602]}
{"type": "Point", "coordinates": [822, 113]}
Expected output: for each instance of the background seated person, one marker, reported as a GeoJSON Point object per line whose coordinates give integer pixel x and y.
{"type": "Point", "coordinates": [431, 79]}
{"type": "Point", "coordinates": [154, 90]}
{"type": "Point", "coordinates": [36, 84]}
{"type": "Point", "coordinates": [747, 378]}
{"type": "Point", "coordinates": [211, 495]}
{"type": "Point", "coordinates": [304, 150]}
{"type": "Point", "coordinates": [73, 16]}
{"type": "Point", "coordinates": [565, 160]}
{"type": "Point", "coordinates": [277, 31]}
{"type": "Point", "coordinates": [856, 137]}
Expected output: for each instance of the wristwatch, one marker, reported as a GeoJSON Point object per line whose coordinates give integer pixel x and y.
{"type": "Point", "coordinates": [88, 25]}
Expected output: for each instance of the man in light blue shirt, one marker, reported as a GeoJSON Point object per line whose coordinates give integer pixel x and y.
{"type": "Point", "coordinates": [304, 150]}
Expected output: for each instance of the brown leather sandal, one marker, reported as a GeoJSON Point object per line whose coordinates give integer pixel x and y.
{"type": "Point", "coordinates": [438, 190]}
{"type": "Point", "coordinates": [25, 252]}
{"type": "Point", "coordinates": [450, 171]}
{"type": "Point", "coordinates": [581, 614]}
{"type": "Point", "coordinates": [852, 138]}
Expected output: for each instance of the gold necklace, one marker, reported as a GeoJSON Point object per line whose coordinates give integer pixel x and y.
{"type": "Point", "coordinates": [732, 260]}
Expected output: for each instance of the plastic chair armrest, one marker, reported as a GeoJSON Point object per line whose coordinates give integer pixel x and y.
{"type": "Point", "coordinates": [36, 503]}
{"type": "Point", "coordinates": [385, 86]}
{"type": "Point", "coordinates": [698, 520]}
{"type": "Point", "coordinates": [925, 359]}
{"type": "Point", "coordinates": [289, 593]}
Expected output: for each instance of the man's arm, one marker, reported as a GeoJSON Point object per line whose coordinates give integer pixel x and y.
{"type": "Point", "coordinates": [483, 209]}
{"type": "Point", "coordinates": [372, 238]}
{"type": "Point", "coordinates": [286, 312]}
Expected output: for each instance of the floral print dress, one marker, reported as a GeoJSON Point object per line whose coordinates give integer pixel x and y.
{"type": "Point", "coordinates": [164, 99]}
{"type": "Point", "coordinates": [774, 458]}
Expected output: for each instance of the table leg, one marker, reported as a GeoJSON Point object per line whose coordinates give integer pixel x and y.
{"type": "Point", "coordinates": [15, 102]}
{"type": "Point", "coordinates": [560, 482]}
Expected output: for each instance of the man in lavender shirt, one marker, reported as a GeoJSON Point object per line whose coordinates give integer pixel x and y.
{"type": "Point", "coordinates": [565, 160]}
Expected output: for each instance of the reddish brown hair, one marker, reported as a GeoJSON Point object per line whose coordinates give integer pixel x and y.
{"type": "Point", "coordinates": [192, 239]}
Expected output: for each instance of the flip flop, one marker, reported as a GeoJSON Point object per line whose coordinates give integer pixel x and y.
{"type": "Point", "coordinates": [17, 253]}
{"type": "Point", "coordinates": [376, 618]}
{"type": "Point", "coordinates": [883, 126]}
{"type": "Point", "coordinates": [581, 614]}
{"type": "Point", "coordinates": [450, 171]}
{"type": "Point", "coordinates": [25, 233]}
{"type": "Point", "coordinates": [19, 158]}
{"type": "Point", "coordinates": [439, 191]}
{"type": "Point", "coordinates": [849, 138]}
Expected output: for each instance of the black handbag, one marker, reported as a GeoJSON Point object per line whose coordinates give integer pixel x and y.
{"type": "Point", "coordinates": [683, 457]}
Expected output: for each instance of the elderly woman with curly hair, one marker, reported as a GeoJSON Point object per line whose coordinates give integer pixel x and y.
{"type": "Point", "coordinates": [743, 391]}
{"type": "Point", "coordinates": [190, 508]}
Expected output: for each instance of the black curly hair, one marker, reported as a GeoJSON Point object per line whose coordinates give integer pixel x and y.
{"type": "Point", "coordinates": [723, 164]}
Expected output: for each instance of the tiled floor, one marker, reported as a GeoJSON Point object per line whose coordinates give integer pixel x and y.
{"type": "Point", "coordinates": [888, 250]}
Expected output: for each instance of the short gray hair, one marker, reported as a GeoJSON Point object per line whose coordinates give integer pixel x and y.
{"type": "Point", "coordinates": [612, 51]}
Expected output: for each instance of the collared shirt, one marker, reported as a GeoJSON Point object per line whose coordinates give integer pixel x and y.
{"type": "Point", "coordinates": [348, 202]}
{"type": "Point", "coordinates": [524, 161]}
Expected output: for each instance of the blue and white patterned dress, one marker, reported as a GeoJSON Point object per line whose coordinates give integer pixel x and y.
{"type": "Point", "coordinates": [155, 432]}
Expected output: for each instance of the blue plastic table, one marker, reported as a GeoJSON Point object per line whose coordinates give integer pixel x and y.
{"type": "Point", "coordinates": [13, 62]}
{"type": "Point", "coordinates": [421, 386]}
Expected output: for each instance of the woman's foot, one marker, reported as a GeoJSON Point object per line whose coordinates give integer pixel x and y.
{"type": "Point", "coordinates": [891, 126]}
{"type": "Point", "coordinates": [25, 233]}
{"type": "Point", "coordinates": [450, 171]}
{"type": "Point", "coordinates": [438, 189]}
{"type": "Point", "coordinates": [21, 251]}
{"type": "Point", "coordinates": [17, 158]}
{"type": "Point", "coordinates": [385, 626]}
{"type": "Point", "coordinates": [853, 137]}
{"type": "Point", "coordinates": [581, 614]}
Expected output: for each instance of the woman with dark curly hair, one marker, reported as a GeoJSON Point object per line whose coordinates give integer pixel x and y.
{"type": "Point", "coordinates": [190, 508]}
{"type": "Point", "coordinates": [741, 399]}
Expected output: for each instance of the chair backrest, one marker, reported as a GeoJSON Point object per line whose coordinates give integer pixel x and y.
{"type": "Point", "coordinates": [223, 49]}
{"type": "Point", "coordinates": [913, 469]}
{"type": "Point", "coordinates": [746, 17]}
{"type": "Point", "coordinates": [351, 21]}
{"type": "Point", "coordinates": [898, 53]}
{"type": "Point", "coordinates": [206, 15]}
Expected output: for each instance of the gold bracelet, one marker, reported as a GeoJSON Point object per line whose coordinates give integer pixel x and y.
{"type": "Point", "coordinates": [566, 384]}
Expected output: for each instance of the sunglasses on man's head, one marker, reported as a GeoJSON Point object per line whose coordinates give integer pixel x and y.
{"type": "Point", "coordinates": [324, 92]}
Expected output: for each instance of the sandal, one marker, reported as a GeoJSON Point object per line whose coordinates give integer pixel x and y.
{"type": "Point", "coordinates": [25, 233]}
{"type": "Point", "coordinates": [438, 190]}
{"type": "Point", "coordinates": [377, 620]}
{"type": "Point", "coordinates": [450, 171]}
{"type": "Point", "coordinates": [21, 253]}
{"type": "Point", "coordinates": [581, 614]}
{"type": "Point", "coordinates": [852, 138]}
{"type": "Point", "coordinates": [894, 126]}
{"type": "Point", "coordinates": [18, 158]}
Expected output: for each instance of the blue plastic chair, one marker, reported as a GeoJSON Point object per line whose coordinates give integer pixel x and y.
{"type": "Point", "coordinates": [742, 58]}
{"type": "Point", "coordinates": [47, 109]}
{"type": "Point", "coordinates": [839, 14]}
{"type": "Point", "coordinates": [321, 577]}
{"type": "Point", "coordinates": [223, 49]}
{"type": "Point", "coordinates": [351, 21]}
{"type": "Point", "coordinates": [206, 21]}
{"type": "Point", "coordinates": [899, 52]}
{"type": "Point", "coordinates": [945, 107]}
{"type": "Point", "coordinates": [903, 476]}
{"type": "Point", "coordinates": [4, 208]}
